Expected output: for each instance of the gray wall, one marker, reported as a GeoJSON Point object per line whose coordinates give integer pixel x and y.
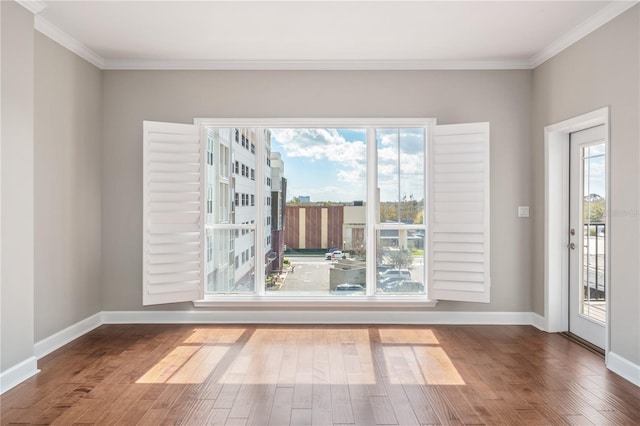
{"type": "Point", "coordinates": [68, 132]}
{"type": "Point", "coordinates": [17, 185]}
{"type": "Point", "coordinates": [601, 69]}
{"type": "Point", "coordinates": [501, 97]}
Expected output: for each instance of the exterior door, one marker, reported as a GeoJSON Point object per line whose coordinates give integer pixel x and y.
{"type": "Point", "coordinates": [587, 235]}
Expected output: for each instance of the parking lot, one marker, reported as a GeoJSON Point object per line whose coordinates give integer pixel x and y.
{"type": "Point", "coordinates": [311, 274]}
{"type": "Point", "coordinates": [308, 273]}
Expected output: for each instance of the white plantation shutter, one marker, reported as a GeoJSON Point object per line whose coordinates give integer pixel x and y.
{"type": "Point", "coordinates": [173, 268]}
{"type": "Point", "coordinates": [459, 228]}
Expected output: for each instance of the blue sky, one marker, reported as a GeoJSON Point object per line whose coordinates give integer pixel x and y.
{"type": "Point", "coordinates": [594, 170]}
{"type": "Point", "coordinates": [330, 164]}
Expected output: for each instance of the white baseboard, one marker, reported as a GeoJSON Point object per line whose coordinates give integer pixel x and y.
{"type": "Point", "coordinates": [49, 344]}
{"type": "Point", "coordinates": [18, 373]}
{"type": "Point", "coordinates": [537, 321]}
{"type": "Point", "coordinates": [316, 317]}
{"type": "Point", "coordinates": [624, 368]}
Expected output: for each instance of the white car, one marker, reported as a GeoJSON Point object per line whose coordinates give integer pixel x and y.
{"type": "Point", "coordinates": [336, 254]}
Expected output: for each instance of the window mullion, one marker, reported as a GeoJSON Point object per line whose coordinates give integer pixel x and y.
{"type": "Point", "coordinates": [372, 209]}
{"type": "Point", "coordinates": [259, 209]}
{"type": "Point", "coordinates": [427, 214]}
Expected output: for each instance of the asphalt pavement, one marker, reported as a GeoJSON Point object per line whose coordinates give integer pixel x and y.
{"type": "Point", "coordinates": [307, 273]}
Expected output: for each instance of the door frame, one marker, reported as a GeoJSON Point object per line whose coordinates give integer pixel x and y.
{"type": "Point", "coordinates": [556, 218]}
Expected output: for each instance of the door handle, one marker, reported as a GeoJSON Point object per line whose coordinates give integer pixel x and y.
{"type": "Point", "coordinates": [572, 246]}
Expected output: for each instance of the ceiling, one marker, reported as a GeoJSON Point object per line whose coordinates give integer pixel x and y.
{"type": "Point", "coordinates": [319, 34]}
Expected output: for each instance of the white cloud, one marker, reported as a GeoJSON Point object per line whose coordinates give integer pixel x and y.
{"type": "Point", "coordinates": [320, 144]}
{"type": "Point", "coordinates": [409, 165]}
{"type": "Point", "coordinates": [346, 161]}
{"type": "Point", "coordinates": [349, 157]}
{"type": "Point", "coordinates": [595, 181]}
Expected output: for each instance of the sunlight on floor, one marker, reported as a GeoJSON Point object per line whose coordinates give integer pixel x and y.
{"type": "Point", "coordinates": [169, 365]}
{"type": "Point", "coordinates": [330, 356]}
{"type": "Point", "coordinates": [416, 357]}
{"type": "Point", "coordinates": [403, 336]}
{"type": "Point", "coordinates": [227, 336]}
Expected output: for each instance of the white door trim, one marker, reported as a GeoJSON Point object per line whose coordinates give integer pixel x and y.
{"type": "Point", "coordinates": [556, 235]}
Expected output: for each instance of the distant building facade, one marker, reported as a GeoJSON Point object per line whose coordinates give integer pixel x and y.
{"type": "Point", "coordinates": [341, 227]}
{"type": "Point", "coordinates": [324, 227]}
{"type": "Point", "coordinates": [275, 256]}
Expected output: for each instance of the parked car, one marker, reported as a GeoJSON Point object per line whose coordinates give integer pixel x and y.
{"type": "Point", "coordinates": [387, 281]}
{"type": "Point", "coordinates": [401, 273]}
{"type": "Point", "coordinates": [384, 281]}
{"type": "Point", "coordinates": [405, 286]}
{"type": "Point", "coordinates": [381, 269]}
{"type": "Point", "coordinates": [335, 254]}
{"type": "Point", "coordinates": [348, 288]}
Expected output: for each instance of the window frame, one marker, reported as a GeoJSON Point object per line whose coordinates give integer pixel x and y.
{"type": "Point", "coordinates": [370, 298]}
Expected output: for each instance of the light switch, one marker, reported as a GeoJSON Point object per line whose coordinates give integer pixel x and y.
{"type": "Point", "coordinates": [523, 211]}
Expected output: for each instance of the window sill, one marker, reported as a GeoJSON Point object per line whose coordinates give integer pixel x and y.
{"type": "Point", "coordinates": [312, 302]}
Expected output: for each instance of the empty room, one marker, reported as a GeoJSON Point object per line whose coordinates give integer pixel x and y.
{"type": "Point", "coordinates": [320, 212]}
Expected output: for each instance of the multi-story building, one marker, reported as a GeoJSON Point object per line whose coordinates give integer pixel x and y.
{"type": "Point", "coordinates": [219, 173]}
{"type": "Point", "coordinates": [318, 227]}
{"type": "Point", "coordinates": [278, 206]}
{"type": "Point", "coordinates": [232, 207]}
{"type": "Point", "coordinates": [324, 227]}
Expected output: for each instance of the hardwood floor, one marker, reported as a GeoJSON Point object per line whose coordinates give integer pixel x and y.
{"type": "Point", "coordinates": [325, 375]}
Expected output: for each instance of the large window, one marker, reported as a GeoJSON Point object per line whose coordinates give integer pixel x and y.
{"type": "Point", "coordinates": [384, 210]}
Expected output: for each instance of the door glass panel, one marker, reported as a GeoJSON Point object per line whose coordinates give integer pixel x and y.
{"type": "Point", "coordinates": [593, 285]}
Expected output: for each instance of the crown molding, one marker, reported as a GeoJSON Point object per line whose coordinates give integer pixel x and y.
{"type": "Point", "coordinates": [59, 36]}
{"type": "Point", "coordinates": [580, 31]}
{"type": "Point", "coordinates": [33, 6]}
{"type": "Point", "coordinates": [317, 65]}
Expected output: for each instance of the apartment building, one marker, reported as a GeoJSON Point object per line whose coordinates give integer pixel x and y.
{"type": "Point", "coordinates": [232, 207]}
{"type": "Point", "coordinates": [275, 256]}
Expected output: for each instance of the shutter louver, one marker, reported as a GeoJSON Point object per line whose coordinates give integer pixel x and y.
{"type": "Point", "coordinates": [173, 220]}
{"type": "Point", "coordinates": [459, 266]}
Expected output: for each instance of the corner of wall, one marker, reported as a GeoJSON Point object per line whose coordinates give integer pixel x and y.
{"type": "Point", "coordinates": [17, 374]}
{"type": "Point", "coordinates": [624, 368]}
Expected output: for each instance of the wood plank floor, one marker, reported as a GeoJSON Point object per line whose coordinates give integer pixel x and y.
{"type": "Point", "coordinates": [325, 375]}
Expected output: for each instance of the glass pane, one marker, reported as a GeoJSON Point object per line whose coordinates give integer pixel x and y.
{"type": "Point", "coordinates": [317, 207]}
{"type": "Point", "coordinates": [231, 188]}
{"type": "Point", "coordinates": [231, 192]}
{"type": "Point", "coordinates": [401, 175]}
{"type": "Point", "coordinates": [593, 294]}
{"type": "Point", "coordinates": [400, 261]}
{"type": "Point", "coordinates": [230, 264]}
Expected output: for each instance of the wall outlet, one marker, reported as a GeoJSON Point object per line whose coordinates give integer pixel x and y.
{"type": "Point", "coordinates": [523, 211]}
